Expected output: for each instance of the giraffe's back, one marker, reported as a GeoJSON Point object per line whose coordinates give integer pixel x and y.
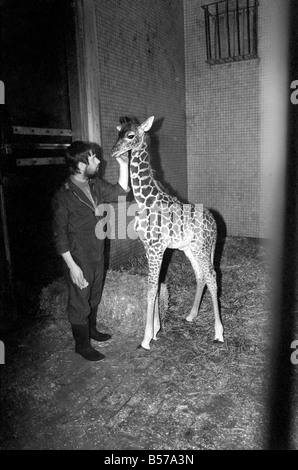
{"type": "Point", "coordinates": [177, 225]}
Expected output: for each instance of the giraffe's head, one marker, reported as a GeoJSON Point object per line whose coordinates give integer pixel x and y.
{"type": "Point", "coordinates": [131, 135]}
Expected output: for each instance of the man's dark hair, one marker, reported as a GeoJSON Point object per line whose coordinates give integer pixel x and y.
{"type": "Point", "coordinates": [78, 151]}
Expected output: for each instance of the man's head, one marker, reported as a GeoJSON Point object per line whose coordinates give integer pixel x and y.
{"type": "Point", "coordinates": [81, 158]}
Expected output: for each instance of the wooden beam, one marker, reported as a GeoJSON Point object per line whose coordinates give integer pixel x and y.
{"type": "Point", "coordinates": [40, 161]}
{"type": "Point", "coordinates": [35, 146]}
{"type": "Point", "coordinates": [41, 131]}
{"type": "Point", "coordinates": [83, 71]}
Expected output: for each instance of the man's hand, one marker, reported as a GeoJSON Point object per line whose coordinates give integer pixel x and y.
{"type": "Point", "coordinates": [123, 159]}
{"type": "Point", "coordinates": [77, 276]}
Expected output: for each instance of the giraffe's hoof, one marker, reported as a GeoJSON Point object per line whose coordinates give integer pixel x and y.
{"type": "Point", "coordinates": [142, 348]}
{"type": "Point", "coordinates": [218, 341]}
{"type": "Point", "coordinates": [189, 318]}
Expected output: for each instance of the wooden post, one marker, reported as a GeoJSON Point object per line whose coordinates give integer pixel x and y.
{"type": "Point", "coordinates": [7, 249]}
{"type": "Point", "coordinates": [83, 72]}
{"type": "Point", "coordinates": [4, 132]}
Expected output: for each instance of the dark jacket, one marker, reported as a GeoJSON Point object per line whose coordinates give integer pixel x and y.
{"type": "Point", "coordinates": [74, 217]}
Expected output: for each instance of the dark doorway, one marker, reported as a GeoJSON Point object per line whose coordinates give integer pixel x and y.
{"type": "Point", "coordinates": [33, 68]}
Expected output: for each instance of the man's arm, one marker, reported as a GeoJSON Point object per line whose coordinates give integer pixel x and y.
{"type": "Point", "coordinates": [60, 222]}
{"type": "Point", "coordinates": [76, 273]}
{"type": "Point", "coordinates": [123, 173]}
{"type": "Point", "coordinates": [110, 192]}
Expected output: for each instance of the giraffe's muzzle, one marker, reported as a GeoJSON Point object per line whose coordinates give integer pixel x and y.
{"type": "Point", "coordinates": [117, 151]}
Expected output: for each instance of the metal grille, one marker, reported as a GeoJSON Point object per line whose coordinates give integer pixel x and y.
{"type": "Point", "coordinates": [231, 31]}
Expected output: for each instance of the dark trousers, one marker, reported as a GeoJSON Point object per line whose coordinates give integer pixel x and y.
{"type": "Point", "coordinates": [81, 301]}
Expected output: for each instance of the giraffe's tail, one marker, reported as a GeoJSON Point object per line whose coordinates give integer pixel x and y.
{"type": "Point", "coordinates": [213, 246]}
{"type": "Point", "coordinates": [212, 253]}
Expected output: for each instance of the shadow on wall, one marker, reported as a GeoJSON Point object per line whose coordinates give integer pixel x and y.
{"type": "Point", "coordinates": [156, 159]}
{"type": "Point", "coordinates": [221, 237]}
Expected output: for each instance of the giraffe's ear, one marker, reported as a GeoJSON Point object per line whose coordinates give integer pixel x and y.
{"type": "Point", "coordinates": [118, 128]}
{"type": "Point", "coordinates": [147, 124]}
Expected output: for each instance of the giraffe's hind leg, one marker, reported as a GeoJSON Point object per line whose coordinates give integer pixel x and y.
{"type": "Point", "coordinates": [200, 285]}
{"type": "Point", "coordinates": [195, 308]}
{"type": "Point", "coordinates": [210, 277]}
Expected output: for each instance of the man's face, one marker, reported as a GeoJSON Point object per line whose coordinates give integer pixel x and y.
{"type": "Point", "coordinates": [91, 170]}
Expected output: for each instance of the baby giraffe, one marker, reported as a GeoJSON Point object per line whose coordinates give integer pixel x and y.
{"type": "Point", "coordinates": [165, 222]}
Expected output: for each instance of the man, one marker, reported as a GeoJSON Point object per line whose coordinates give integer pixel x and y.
{"type": "Point", "coordinates": [76, 215]}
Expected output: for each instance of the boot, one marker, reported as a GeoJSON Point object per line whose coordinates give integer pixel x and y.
{"type": "Point", "coordinates": [94, 334]}
{"type": "Point", "coordinates": [83, 347]}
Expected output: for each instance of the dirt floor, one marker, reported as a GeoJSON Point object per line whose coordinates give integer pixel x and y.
{"type": "Point", "coordinates": [186, 393]}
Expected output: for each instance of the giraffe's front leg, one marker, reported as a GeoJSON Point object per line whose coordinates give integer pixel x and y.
{"type": "Point", "coordinates": [149, 328]}
{"type": "Point", "coordinates": [154, 256]}
{"type": "Point", "coordinates": [156, 319]}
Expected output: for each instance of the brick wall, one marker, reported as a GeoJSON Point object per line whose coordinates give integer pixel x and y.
{"type": "Point", "coordinates": [232, 138]}
{"type": "Point", "coordinates": [223, 121]}
{"type": "Point", "coordinates": [141, 62]}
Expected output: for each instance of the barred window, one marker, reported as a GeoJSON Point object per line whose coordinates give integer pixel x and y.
{"type": "Point", "coordinates": [231, 28]}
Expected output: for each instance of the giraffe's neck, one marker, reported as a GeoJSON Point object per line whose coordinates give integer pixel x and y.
{"type": "Point", "coordinates": [144, 186]}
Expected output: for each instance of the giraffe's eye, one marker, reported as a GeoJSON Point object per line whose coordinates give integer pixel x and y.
{"type": "Point", "coordinates": [130, 136]}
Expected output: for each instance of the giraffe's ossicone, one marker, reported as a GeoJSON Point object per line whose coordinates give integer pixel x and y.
{"type": "Point", "coordinates": [165, 222]}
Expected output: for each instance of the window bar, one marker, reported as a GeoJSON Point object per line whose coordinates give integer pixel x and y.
{"type": "Point", "coordinates": [234, 33]}
{"type": "Point", "coordinates": [228, 28]}
{"type": "Point", "coordinates": [255, 28]}
{"type": "Point", "coordinates": [231, 31]}
{"type": "Point", "coordinates": [238, 27]}
{"type": "Point", "coordinates": [243, 30]}
{"type": "Point", "coordinates": [248, 27]}
{"type": "Point", "coordinates": [207, 24]}
{"type": "Point", "coordinates": [218, 31]}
